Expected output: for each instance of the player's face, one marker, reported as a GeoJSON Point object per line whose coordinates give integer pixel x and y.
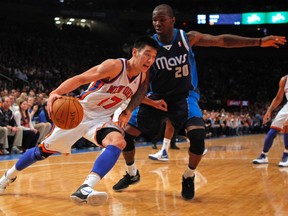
{"type": "Point", "coordinates": [145, 58]}
{"type": "Point", "coordinates": [163, 24]}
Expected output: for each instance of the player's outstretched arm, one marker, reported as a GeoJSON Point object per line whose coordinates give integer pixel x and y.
{"type": "Point", "coordinates": [233, 41]}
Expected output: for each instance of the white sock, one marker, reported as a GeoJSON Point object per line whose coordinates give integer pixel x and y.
{"type": "Point", "coordinates": [166, 144]}
{"type": "Point", "coordinates": [12, 172]}
{"type": "Point", "coordinates": [189, 172]}
{"type": "Point", "coordinates": [265, 153]}
{"type": "Point", "coordinates": [131, 169]}
{"type": "Point", "coordinates": [92, 179]}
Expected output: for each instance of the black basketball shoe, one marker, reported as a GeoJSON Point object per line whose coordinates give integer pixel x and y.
{"type": "Point", "coordinates": [126, 181]}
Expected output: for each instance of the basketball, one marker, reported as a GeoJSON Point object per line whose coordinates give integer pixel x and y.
{"type": "Point", "coordinates": [67, 112]}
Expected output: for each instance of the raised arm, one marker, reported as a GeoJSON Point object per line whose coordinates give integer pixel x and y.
{"type": "Point", "coordinates": [233, 41]}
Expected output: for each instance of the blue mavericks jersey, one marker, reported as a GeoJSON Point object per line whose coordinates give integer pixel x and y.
{"type": "Point", "coordinates": [174, 71]}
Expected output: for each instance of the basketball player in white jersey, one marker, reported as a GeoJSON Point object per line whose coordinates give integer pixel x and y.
{"type": "Point", "coordinates": [111, 83]}
{"type": "Point", "coordinates": [277, 125]}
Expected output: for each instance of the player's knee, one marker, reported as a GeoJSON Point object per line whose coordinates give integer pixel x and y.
{"type": "Point", "coordinates": [111, 137]}
{"type": "Point", "coordinates": [130, 145]}
{"type": "Point", "coordinates": [120, 143]}
{"type": "Point", "coordinates": [197, 143]}
{"type": "Point", "coordinates": [41, 153]}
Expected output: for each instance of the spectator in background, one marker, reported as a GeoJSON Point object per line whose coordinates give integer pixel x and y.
{"type": "Point", "coordinates": [22, 117]}
{"type": "Point", "coordinates": [9, 128]}
{"type": "Point", "coordinates": [42, 127]}
{"type": "Point", "coordinates": [14, 106]}
{"type": "Point", "coordinates": [43, 115]}
{"type": "Point", "coordinates": [23, 96]}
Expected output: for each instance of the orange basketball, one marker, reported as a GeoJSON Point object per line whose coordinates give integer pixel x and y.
{"type": "Point", "coordinates": [67, 112]}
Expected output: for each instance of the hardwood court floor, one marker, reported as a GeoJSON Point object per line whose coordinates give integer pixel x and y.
{"type": "Point", "coordinates": [227, 183]}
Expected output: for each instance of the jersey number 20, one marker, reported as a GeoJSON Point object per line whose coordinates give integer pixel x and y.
{"type": "Point", "coordinates": [181, 71]}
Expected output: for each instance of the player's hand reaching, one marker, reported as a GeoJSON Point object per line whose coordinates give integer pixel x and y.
{"type": "Point", "coordinates": [160, 104]}
{"type": "Point", "coordinates": [52, 97]}
{"type": "Point", "coordinates": [273, 41]}
{"type": "Point", "coordinates": [124, 118]}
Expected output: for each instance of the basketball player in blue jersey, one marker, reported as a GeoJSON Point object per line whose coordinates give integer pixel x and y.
{"type": "Point", "coordinates": [173, 79]}
{"type": "Point", "coordinates": [111, 83]}
{"type": "Point", "coordinates": [277, 125]}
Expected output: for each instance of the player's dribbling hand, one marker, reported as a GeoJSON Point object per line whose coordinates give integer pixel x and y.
{"type": "Point", "coordinates": [51, 99]}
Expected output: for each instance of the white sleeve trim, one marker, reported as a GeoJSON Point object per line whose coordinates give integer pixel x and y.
{"type": "Point", "coordinates": [182, 33]}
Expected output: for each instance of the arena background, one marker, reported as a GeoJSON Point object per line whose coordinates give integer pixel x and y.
{"type": "Point", "coordinates": [33, 42]}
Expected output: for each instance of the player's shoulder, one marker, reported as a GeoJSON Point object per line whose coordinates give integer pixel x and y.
{"type": "Point", "coordinates": [193, 34]}
{"type": "Point", "coordinates": [113, 64]}
{"type": "Point", "coordinates": [283, 81]}
{"type": "Point", "coordinates": [284, 78]}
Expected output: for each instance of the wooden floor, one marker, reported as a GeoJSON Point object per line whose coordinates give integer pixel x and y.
{"type": "Point", "coordinates": [227, 183]}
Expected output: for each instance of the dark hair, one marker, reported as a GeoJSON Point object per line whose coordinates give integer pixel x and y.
{"type": "Point", "coordinates": [142, 41]}
{"type": "Point", "coordinates": [26, 112]}
{"type": "Point", "coordinates": [167, 8]}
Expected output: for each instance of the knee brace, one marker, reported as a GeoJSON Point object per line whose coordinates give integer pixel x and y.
{"type": "Point", "coordinates": [197, 144]}
{"type": "Point", "coordinates": [41, 153]}
{"type": "Point", "coordinates": [130, 145]}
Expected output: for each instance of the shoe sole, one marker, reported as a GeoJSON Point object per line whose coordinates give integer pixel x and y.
{"type": "Point", "coordinates": [97, 198]}
{"type": "Point", "coordinates": [93, 199]}
{"type": "Point", "coordinates": [77, 200]}
{"type": "Point", "coordinates": [256, 162]}
{"type": "Point", "coordinates": [187, 198]}
{"type": "Point", "coordinates": [205, 152]}
{"type": "Point", "coordinates": [162, 159]}
{"type": "Point", "coordinates": [122, 189]}
{"type": "Point", "coordinates": [280, 165]}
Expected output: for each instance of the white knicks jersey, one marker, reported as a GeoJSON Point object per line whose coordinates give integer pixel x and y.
{"type": "Point", "coordinates": [101, 99]}
{"type": "Point", "coordinates": [286, 88]}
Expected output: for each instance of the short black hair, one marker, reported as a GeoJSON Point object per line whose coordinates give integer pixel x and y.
{"type": "Point", "coordinates": [142, 41]}
{"type": "Point", "coordinates": [167, 8]}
